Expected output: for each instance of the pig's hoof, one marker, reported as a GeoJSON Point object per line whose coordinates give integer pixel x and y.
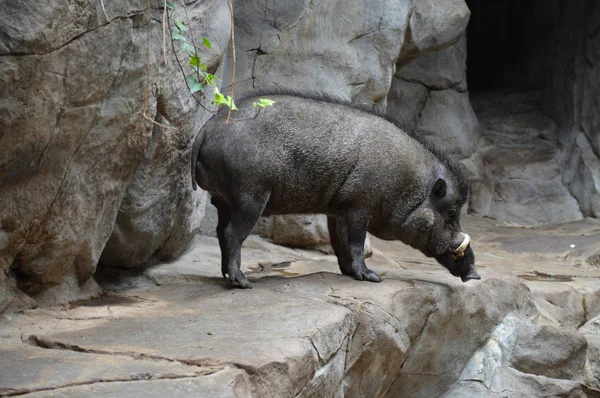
{"type": "Point", "coordinates": [241, 280]}
{"type": "Point", "coordinates": [371, 276]}
{"type": "Point", "coordinates": [367, 275]}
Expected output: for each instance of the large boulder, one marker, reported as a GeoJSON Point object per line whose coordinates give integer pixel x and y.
{"type": "Point", "coordinates": [429, 92]}
{"type": "Point", "coordinates": [525, 359]}
{"type": "Point", "coordinates": [343, 48]}
{"type": "Point", "coordinates": [440, 70]}
{"type": "Point", "coordinates": [449, 122]}
{"type": "Point", "coordinates": [160, 213]}
{"type": "Point", "coordinates": [434, 25]}
{"type": "Point", "coordinates": [74, 133]}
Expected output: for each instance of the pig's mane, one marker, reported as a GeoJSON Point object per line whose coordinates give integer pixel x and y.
{"type": "Point", "coordinates": [405, 126]}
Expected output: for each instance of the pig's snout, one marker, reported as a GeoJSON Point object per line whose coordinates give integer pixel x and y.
{"type": "Point", "coordinates": [463, 256]}
{"type": "Point", "coordinates": [472, 274]}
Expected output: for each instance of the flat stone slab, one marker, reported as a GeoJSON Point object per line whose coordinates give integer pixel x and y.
{"type": "Point", "coordinates": [305, 330]}
{"type": "Point", "coordinates": [31, 369]}
{"type": "Point", "coordinates": [228, 383]}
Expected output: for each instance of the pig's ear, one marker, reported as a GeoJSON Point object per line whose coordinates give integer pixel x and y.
{"type": "Point", "coordinates": [439, 188]}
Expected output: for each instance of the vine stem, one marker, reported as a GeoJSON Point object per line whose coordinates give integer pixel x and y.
{"type": "Point", "coordinates": [179, 64]}
{"type": "Point", "coordinates": [164, 32]}
{"type": "Point", "coordinates": [145, 110]}
{"type": "Point", "coordinates": [189, 22]}
{"type": "Point", "coordinates": [234, 60]}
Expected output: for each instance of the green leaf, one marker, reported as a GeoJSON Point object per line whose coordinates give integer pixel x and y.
{"type": "Point", "coordinates": [171, 5]}
{"type": "Point", "coordinates": [263, 103]}
{"type": "Point", "coordinates": [210, 79]}
{"type": "Point", "coordinates": [219, 99]}
{"type": "Point", "coordinates": [206, 42]}
{"type": "Point", "coordinates": [188, 48]}
{"type": "Point", "coordinates": [191, 78]}
{"type": "Point", "coordinates": [176, 35]}
{"type": "Point", "coordinates": [196, 87]}
{"type": "Point", "coordinates": [231, 104]}
{"type": "Point", "coordinates": [181, 25]}
{"type": "Point", "coordinates": [195, 60]}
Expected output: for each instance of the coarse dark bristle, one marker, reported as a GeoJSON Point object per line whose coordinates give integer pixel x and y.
{"type": "Point", "coordinates": [408, 128]}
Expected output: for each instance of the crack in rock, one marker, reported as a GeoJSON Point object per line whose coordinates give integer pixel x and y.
{"type": "Point", "coordinates": [417, 338]}
{"type": "Point", "coordinates": [76, 37]}
{"type": "Point", "coordinates": [321, 360]}
{"type": "Point", "coordinates": [205, 368]}
{"type": "Point", "coordinates": [132, 378]}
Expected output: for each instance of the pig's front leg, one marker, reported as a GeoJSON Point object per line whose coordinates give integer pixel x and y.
{"type": "Point", "coordinates": [347, 233]}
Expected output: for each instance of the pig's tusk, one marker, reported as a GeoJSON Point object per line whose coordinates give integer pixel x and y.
{"type": "Point", "coordinates": [459, 252]}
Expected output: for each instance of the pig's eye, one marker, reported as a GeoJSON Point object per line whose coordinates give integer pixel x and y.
{"type": "Point", "coordinates": [452, 213]}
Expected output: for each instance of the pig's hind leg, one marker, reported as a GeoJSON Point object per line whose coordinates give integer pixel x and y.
{"type": "Point", "coordinates": [224, 214]}
{"type": "Point", "coordinates": [347, 233]}
{"type": "Point", "coordinates": [235, 224]}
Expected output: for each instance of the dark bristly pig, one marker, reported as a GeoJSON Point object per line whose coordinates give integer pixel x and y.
{"type": "Point", "coordinates": [311, 154]}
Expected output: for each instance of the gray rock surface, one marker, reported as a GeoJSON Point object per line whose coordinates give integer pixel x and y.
{"type": "Point", "coordinates": [440, 70]}
{"type": "Point", "coordinates": [516, 170]}
{"type": "Point", "coordinates": [159, 214]}
{"type": "Point", "coordinates": [546, 351]}
{"type": "Point", "coordinates": [434, 25]}
{"type": "Point", "coordinates": [72, 87]}
{"type": "Point", "coordinates": [590, 120]}
{"type": "Point", "coordinates": [582, 176]}
{"type": "Point", "coordinates": [228, 383]}
{"type": "Point", "coordinates": [449, 122]}
{"type": "Point", "coordinates": [307, 331]}
{"type": "Point", "coordinates": [346, 49]}
{"type": "Point", "coordinates": [406, 101]}
{"type": "Point", "coordinates": [44, 369]}
{"type": "Point", "coordinates": [429, 92]}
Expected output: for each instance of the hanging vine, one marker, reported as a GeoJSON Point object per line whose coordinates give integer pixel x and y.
{"type": "Point", "coordinates": [194, 72]}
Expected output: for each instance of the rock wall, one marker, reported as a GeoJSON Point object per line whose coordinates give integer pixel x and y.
{"type": "Point", "coordinates": [430, 92]}
{"type": "Point", "coordinates": [78, 159]}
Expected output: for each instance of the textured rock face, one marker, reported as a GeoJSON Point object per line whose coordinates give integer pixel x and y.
{"type": "Point", "coordinates": [518, 162]}
{"type": "Point", "coordinates": [343, 48]}
{"type": "Point", "coordinates": [435, 24]}
{"type": "Point", "coordinates": [430, 93]}
{"type": "Point", "coordinates": [72, 93]}
{"type": "Point", "coordinates": [160, 214]}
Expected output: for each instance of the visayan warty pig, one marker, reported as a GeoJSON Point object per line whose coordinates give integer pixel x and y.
{"type": "Point", "coordinates": [311, 154]}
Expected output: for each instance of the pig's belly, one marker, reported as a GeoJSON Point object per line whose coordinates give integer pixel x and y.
{"type": "Point", "coordinates": [306, 199]}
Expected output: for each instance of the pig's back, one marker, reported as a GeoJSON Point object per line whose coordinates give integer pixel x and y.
{"type": "Point", "coordinates": [309, 155]}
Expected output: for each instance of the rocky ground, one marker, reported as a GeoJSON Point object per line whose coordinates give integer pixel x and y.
{"type": "Point", "coordinates": [530, 327]}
